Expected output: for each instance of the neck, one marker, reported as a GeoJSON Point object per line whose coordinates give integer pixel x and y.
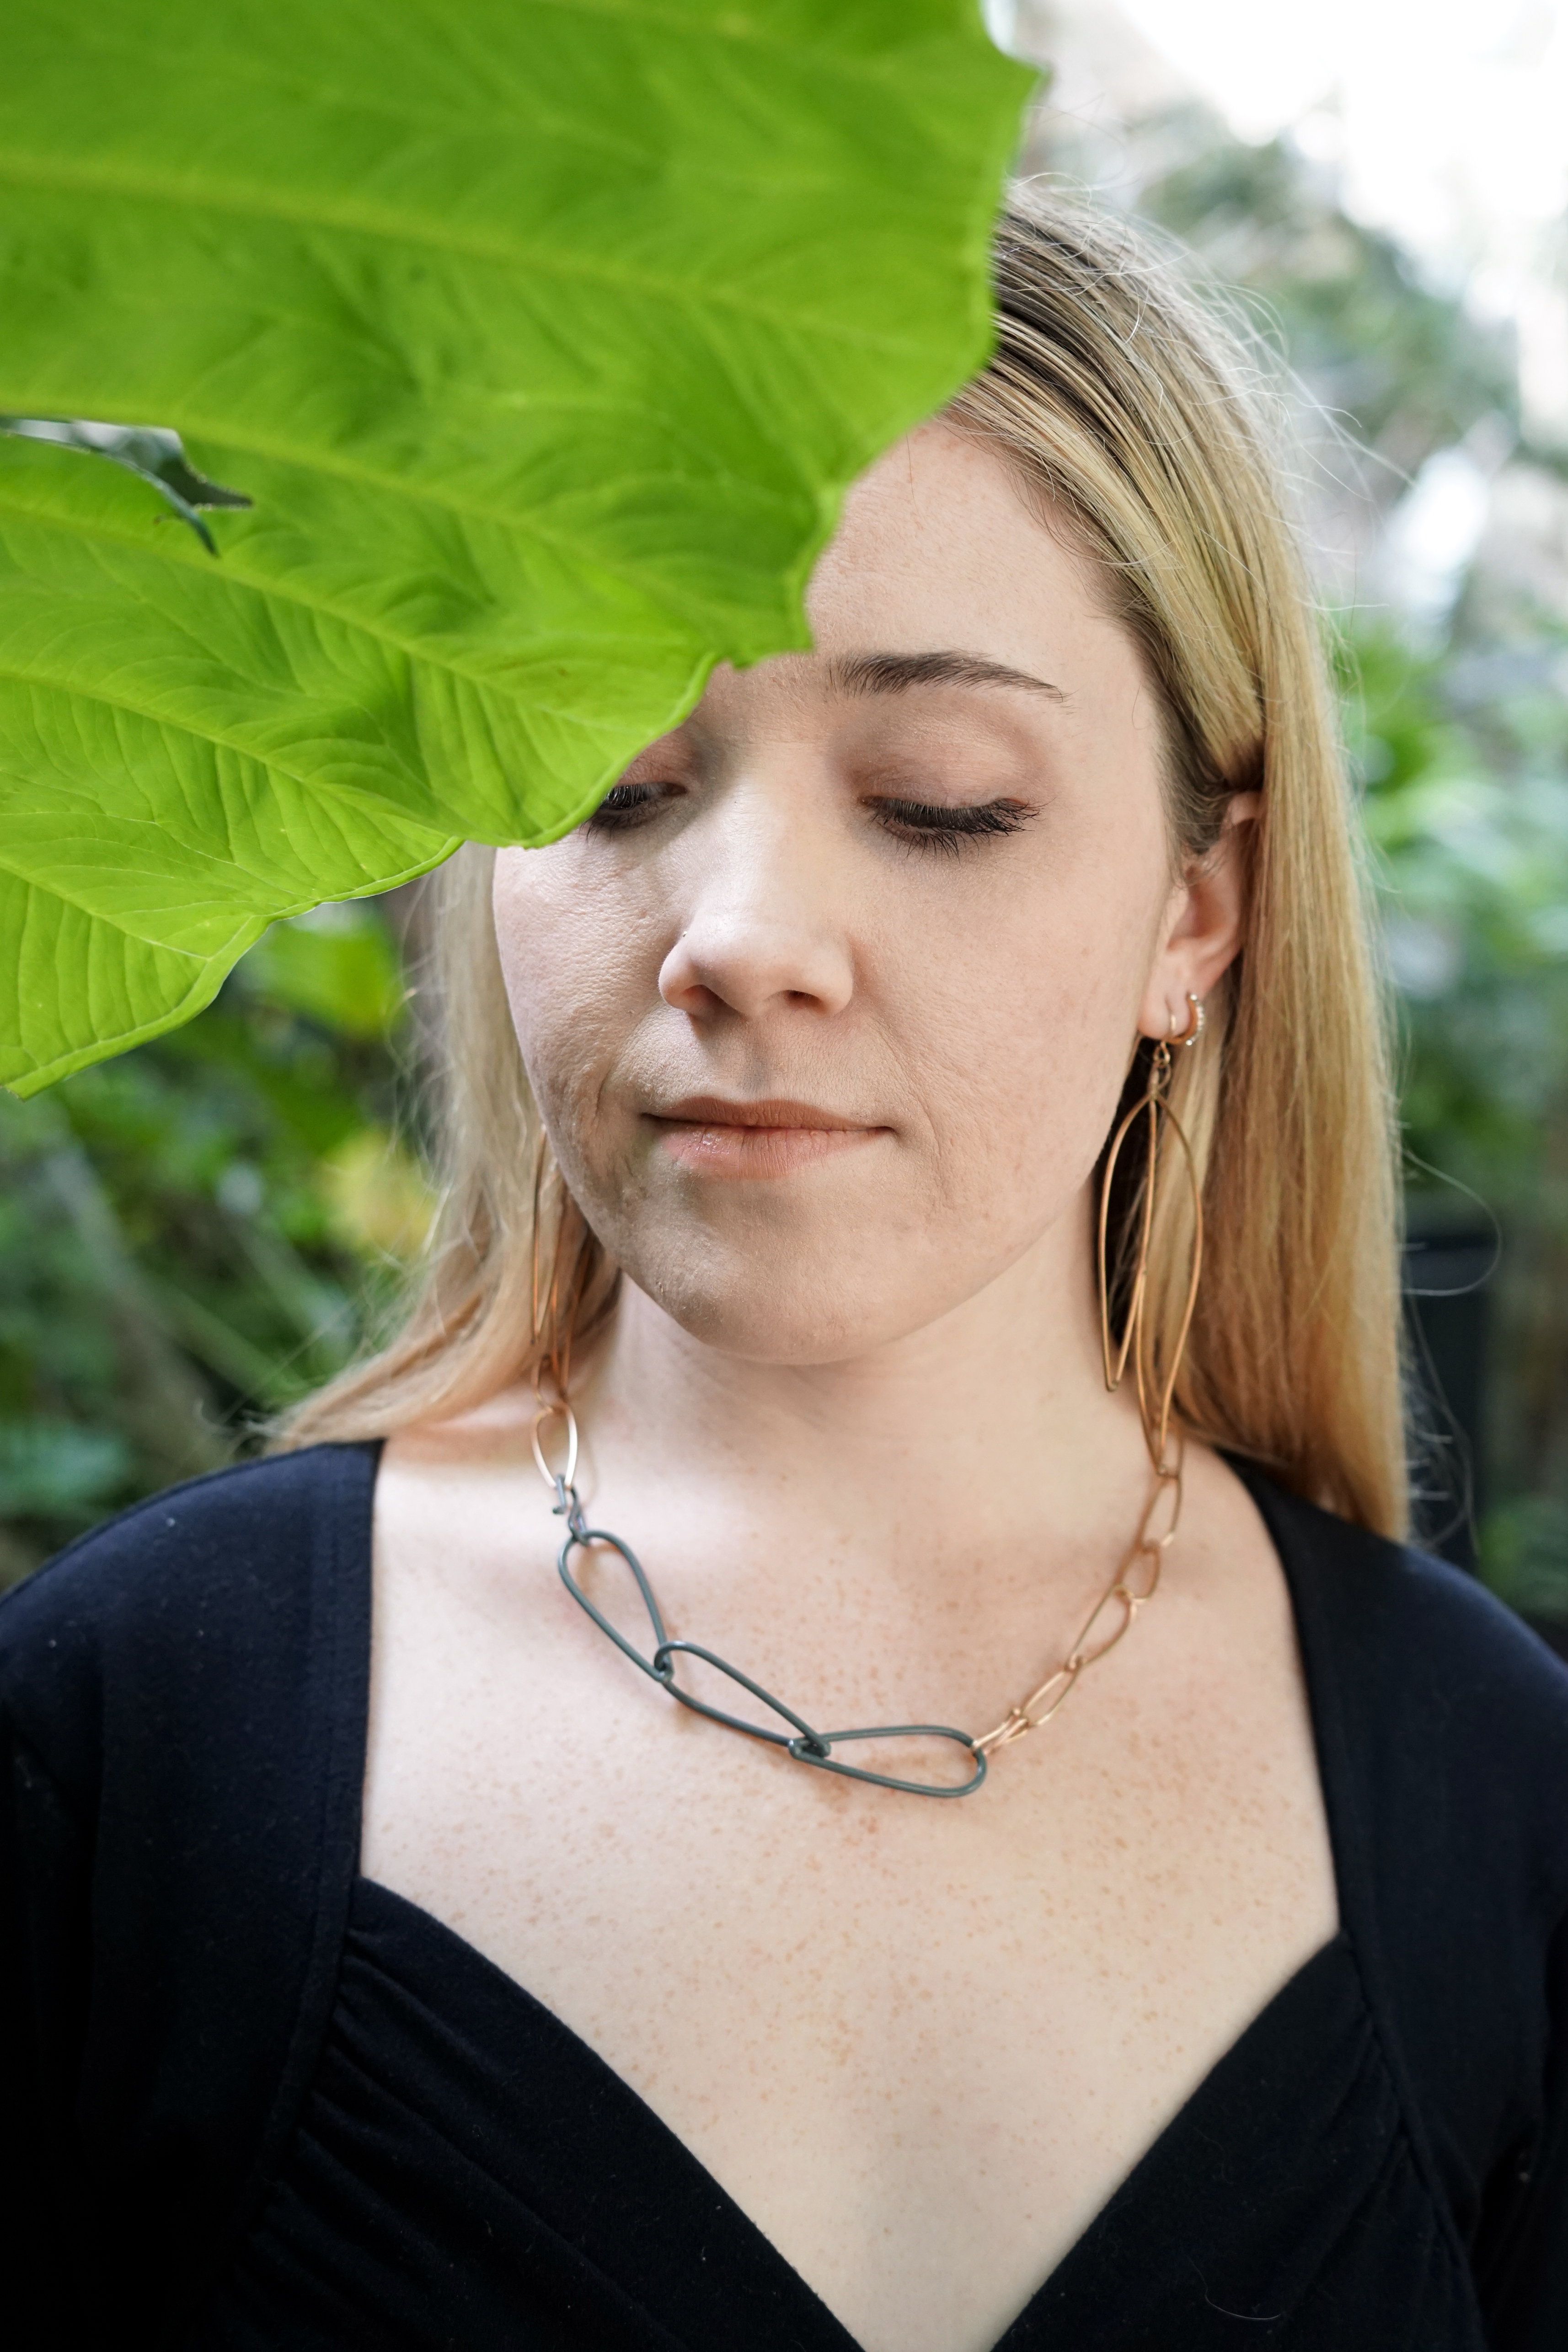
{"type": "Point", "coordinates": [995, 1419]}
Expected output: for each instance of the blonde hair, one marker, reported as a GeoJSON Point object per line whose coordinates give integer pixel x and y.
{"type": "Point", "coordinates": [1134, 423]}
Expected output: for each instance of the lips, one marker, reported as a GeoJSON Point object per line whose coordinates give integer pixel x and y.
{"type": "Point", "coordinates": [712, 1110]}
{"type": "Point", "coordinates": [710, 1137]}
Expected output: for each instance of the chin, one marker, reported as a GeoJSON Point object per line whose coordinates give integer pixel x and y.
{"type": "Point", "coordinates": [779, 1305]}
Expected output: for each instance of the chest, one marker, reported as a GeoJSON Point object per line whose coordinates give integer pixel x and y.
{"type": "Point", "coordinates": [919, 2042]}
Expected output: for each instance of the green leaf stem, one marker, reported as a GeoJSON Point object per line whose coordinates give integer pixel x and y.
{"type": "Point", "coordinates": [544, 336]}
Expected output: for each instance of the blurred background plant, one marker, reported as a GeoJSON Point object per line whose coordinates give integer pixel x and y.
{"type": "Point", "coordinates": [195, 1233]}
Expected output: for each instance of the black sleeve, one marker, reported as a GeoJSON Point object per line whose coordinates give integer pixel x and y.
{"type": "Point", "coordinates": [1442, 1731]}
{"type": "Point", "coordinates": [1521, 2249]}
{"type": "Point", "coordinates": [182, 1727]}
{"type": "Point", "coordinates": [45, 1856]}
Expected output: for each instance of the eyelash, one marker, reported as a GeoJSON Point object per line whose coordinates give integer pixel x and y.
{"type": "Point", "coordinates": [925, 824]}
{"type": "Point", "coordinates": [920, 825]}
{"type": "Point", "coordinates": [623, 807]}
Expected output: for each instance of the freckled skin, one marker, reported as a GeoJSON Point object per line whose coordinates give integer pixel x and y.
{"type": "Point", "coordinates": [852, 1420]}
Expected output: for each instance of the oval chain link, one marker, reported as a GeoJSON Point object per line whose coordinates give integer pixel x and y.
{"type": "Point", "coordinates": [1149, 1546]}
{"type": "Point", "coordinates": [1130, 1589]}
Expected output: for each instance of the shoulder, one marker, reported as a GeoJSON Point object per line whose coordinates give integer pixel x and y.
{"type": "Point", "coordinates": [1406, 1649]}
{"type": "Point", "coordinates": [1442, 1721]}
{"type": "Point", "coordinates": [210, 1584]}
{"type": "Point", "coordinates": [181, 1718]}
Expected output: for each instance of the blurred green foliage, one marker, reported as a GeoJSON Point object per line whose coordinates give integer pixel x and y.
{"type": "Point", "coordinates": [194, 1235]}
{"type": "Point", "coordinates": [1402, 362]}
{"type": "Point", "coordinates": [1466, 809]}
{"type": "Point", "coordinates": [1466, 779]}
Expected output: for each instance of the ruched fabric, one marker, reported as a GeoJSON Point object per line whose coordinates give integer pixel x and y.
{"type": "Point", "coordinates": [467, 2172]}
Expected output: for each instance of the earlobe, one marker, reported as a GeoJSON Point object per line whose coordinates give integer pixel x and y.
{"type": "Point", "coordinates": [1207, 924]}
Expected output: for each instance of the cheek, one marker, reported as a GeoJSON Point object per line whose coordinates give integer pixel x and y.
{"type": "Point", "coordinates": [578, 969]}
{"type": "Point", "coordinates": [1028, 1031]}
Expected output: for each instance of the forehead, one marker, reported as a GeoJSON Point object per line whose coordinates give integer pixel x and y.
{"type": "Point", "coordinates": [937, 544]}
{"type": "Point", "coordinates": [938, 561]}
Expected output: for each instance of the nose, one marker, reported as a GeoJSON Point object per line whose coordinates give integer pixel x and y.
{"type": "Point", "coordinates": [762, 934]}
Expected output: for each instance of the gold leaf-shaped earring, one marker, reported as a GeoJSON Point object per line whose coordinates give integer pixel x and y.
{"type": "Point", "coordinates": [1153, 1110]}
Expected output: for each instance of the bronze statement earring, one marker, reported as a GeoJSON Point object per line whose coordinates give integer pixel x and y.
{"type": "Point", "coordinates": [555, 1304]}
{"type": "Point", "coordinates": [1155, 1389]}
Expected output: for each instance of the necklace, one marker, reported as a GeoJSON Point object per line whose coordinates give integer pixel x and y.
{"type": "Point", "coordinates": [1132, 1587]}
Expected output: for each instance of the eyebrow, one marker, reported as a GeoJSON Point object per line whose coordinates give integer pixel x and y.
{"type": "Point", "coordinates": [896, 673]}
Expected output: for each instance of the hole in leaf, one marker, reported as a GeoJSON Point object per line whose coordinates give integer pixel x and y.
{"type": "Point", "coordinates": [149, 450]}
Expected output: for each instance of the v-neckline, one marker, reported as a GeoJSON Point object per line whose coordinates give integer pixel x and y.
{"type": "Point", "coordinates": [1341, 1950]}
{"type": "Point", "coordinates": [1060, 2286]}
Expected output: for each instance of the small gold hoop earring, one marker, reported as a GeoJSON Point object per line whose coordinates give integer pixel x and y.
{"type": "Point", "coordinates": [1154, 1412]}
{"type": "Point", "coordinates": [1194, 1030]}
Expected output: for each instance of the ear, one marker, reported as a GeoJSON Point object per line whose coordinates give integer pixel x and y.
{"type": "Point", "coordinates": [1202, 925]}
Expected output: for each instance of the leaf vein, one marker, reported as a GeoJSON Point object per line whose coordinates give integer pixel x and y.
{"type": "Point", "coordinates": [288, 592]}
{"type": "Point", "coordinates": [97, 179]}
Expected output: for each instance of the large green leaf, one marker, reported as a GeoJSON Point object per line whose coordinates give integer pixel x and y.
{"type": "Point", "coordinates": [544, 336]}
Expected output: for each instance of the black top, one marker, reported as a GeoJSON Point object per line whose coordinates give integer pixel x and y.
{"type": "Point", "coordinates": [248, 2098]}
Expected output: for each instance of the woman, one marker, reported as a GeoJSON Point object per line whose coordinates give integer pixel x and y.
{"type": "Point", "coordinates": [391, 1962]}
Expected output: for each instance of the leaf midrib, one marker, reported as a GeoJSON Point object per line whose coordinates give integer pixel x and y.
{"type": "Point", "coordinates": [861, 71]}
{"type": "Point", "coordinates": [97, 179]}
{"type": "Point", "coordinates": [219, 738]}
{"type": "Point", "coordinates": [244, 918]}
{"type": "Point", "coordinates": [334, 463]}
{"type": "Point", "coordinates": [286, 593]}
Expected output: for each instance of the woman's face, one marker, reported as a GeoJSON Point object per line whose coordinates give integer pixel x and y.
{"type": "Point", "coordinates": [828, 1009]}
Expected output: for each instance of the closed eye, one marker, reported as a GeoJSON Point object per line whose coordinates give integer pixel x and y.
{"type": "Point", "coordinates": [945, 827]}
{"type": "Point", "coordinates": [625, 806]}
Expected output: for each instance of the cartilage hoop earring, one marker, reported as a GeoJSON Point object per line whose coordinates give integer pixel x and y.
{"type": "Point", "coordinates": [1194, 1030]}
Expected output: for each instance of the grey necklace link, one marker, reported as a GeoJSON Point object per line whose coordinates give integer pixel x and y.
{"type": "Point", "coordinates": [804, 1743]}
